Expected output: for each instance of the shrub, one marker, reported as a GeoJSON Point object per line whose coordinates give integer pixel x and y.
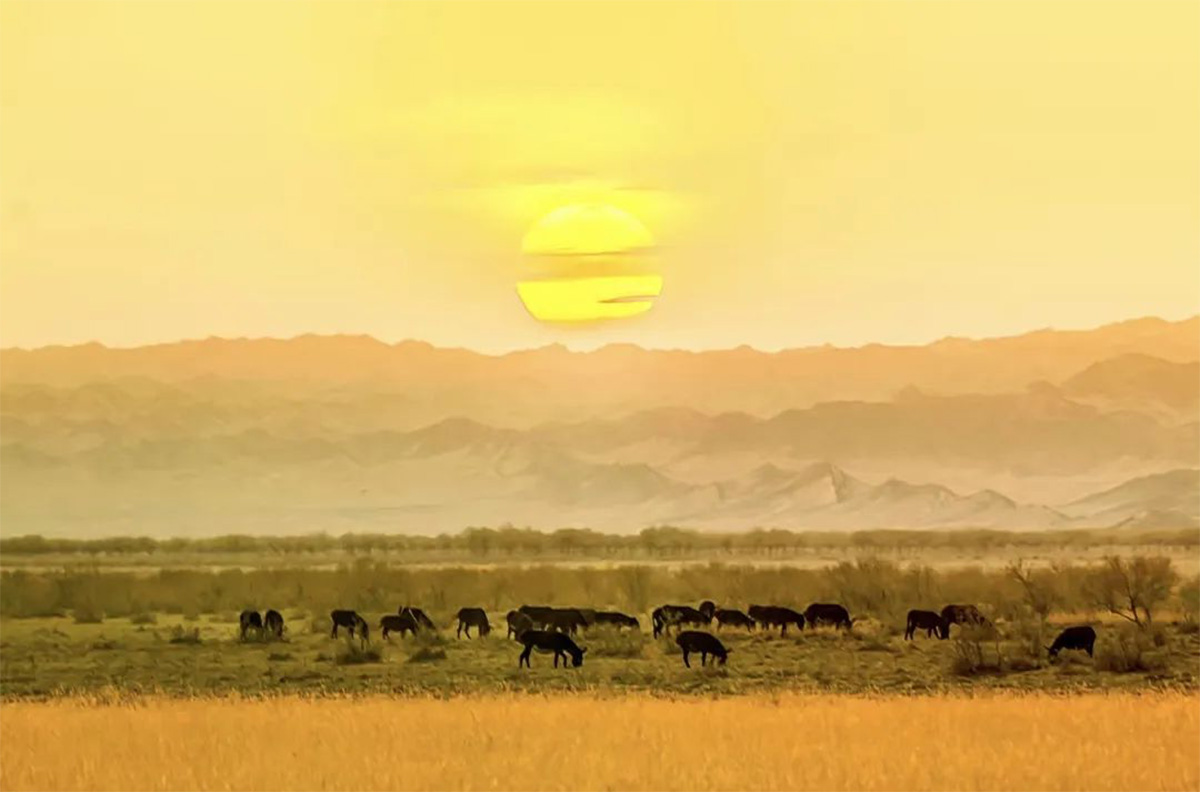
{"type": "Point", "coordinates": [615, 643]}
{"type": "Point", "coordinates": [1128, 651]}
{"type": "Point", "coordinates": [353, 655]}
{"type": "Point", "coordinates": [427, 654]}
{"type": "Point", "coordinates": [180, 635]}
{"type": "Point", "coordinates": [88, 615]}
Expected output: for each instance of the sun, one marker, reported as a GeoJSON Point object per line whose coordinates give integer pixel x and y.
{"type": "Point", "coordinates": [592, 256]}
{"type": "Point", "coordinates": [586, 230]}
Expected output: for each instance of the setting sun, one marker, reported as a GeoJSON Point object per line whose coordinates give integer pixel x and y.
{"type": "Point", "coordinates": [589, 251]}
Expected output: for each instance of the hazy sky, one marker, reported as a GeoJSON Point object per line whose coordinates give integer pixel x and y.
{"type": "Point", "coordinates": [812, 171]}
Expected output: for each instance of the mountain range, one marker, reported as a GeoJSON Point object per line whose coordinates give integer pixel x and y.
{"type": "Point", "coordinates": [1048, 429]}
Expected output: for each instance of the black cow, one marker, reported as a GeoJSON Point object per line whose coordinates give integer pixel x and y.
{"type": "Point", "coordinates": [966, 615]}
{"type": "Point", "coordinates": [778, 616]}
{"type": "Point", "coordinates": [708, 608]}
{"type": "Point", "coordinates": [733, 618]}
{"type": "Point", "coordinates": [676, 615]}
{"type": "Point", "coordinates": [694, 641]}
{"type": "Point", "coordinates": [418, 616]}
{"type": "Point", "coordinates": [472, 617]}
{"type": "Point", "coordinates": [402, 623]}
{"type": "Point", "coordinates": [567, 620]}
{"type": "Point", "coordinates": [518, 623]}
{"type": "Point", "coordinates": [250, 620]}
{"type": "Point", "coordinates": [543, 641]}
{"type": "Point", "coordinates": [351, 621]}
{"type": "Point", "coordinates": [540, 614]}
{"type": "Point", "coordinates": [273, 621]}
{"type": "Point", "coordinates": [925, 620]}
{"type": "Point", "coordinates": [828, 613]}
{"type": "Point", "coordinates": [616, 619]}
{"type": "Point", "coordinates": [1074, 638]}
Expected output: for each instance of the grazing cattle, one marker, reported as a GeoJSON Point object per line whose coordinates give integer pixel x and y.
{"type": "Point", "coordinates": [778, 616]}
{"type": "Point", "coordinates": [708, 608]}
{"type": "Point", "coordinates": [273, 621]}
{"type": "Point", "coordinates": [543, 641]}
{"type": "Point", "coordinates": [925, 620]}
{"type": "Point", "coordinates": [567, 620]}
{"type": "Point", "coordinates": [757, 613]}
{"type": "Point", "coordinates": [676, 615]}
{"type": "Point", "coordinates": [472, 617]}
{"type": "Point", "coordinates": [518, 623]}
{"type": "Point", "coordinates": [1074, 638]}
{"type": "Point", "coordinates": [966, 615]}
{"type": "Point", "coordinates": [402, 623]}
{"type": "Point", "coordinates": [250, 620]}
{"type": "Point", "coordinates": [828, 613]}
{"type": "Point", "coordinates": [418, 616]}
{"type": "Point", "coordinates": [615, 619]}
{"type": "Point", "coordinates": [540, 614]}
{"type": "Point", "coordinates": [733, 618]}
{"type": "Point", "coordinates": [356, 624]}
{"type": "Point", "coordinates": [694, 641]}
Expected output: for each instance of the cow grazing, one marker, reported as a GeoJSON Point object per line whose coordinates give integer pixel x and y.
{"type": "Point", "coordinates": [273, 622]}
{"type": "Point", "coordinates": [356, 624]}
{"type": "Point", "coordinates": [546, 642]}
{"type": "Point", "coordinates": [668, 616]}
{"type": "Point", "coordinates": [567, 620]}
{"type": "Point", "coordinates": [1074, 638]}
{"type": "Point", "coordinates": [418, 615]}
{"type": "Point", "coordinates": [733, 618]}
{"type": "Point", "coordinates": [618, 620]}
{"type": "Point", "coordinates": [250, 620]}
{"type": "Point", "coordinates": [778, 616]}
{"type": "Point", "coordinates": [472, 617]}
{"type": "Point", "coordinates": [828, 613]}
{"type": "Point", "coordinates": [517, 623]}
{"type": "Point", "coordinates": [540, 614]}
{"type": "Point", "coordinates": [925, 620]}
{"type": "Point", "coordinates": [966, 615]}
{"type": "Point", "coordinates": [402, 623]}
{"type": "Point", "coordinates": [694, 641]}
{"type": "Point", "coordinates": [708, 608]}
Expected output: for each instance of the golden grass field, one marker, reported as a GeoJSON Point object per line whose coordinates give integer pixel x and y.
{"type": "Point", "coordinates": [787, 741]}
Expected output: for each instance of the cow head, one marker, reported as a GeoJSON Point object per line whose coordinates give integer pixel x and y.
{"type": "Point", "coordinates": [577, 657]}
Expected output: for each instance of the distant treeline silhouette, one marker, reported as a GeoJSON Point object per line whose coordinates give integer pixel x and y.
{"type": "Point", "coordinates": [871, 587]}
{"type": "Point", "coordinates": [659, 542]}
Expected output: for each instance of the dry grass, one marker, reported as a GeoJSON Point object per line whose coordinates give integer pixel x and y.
{"type": "Point", "coordinates": [792, 741]}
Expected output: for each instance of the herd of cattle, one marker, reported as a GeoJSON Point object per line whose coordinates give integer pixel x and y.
{"type": "Point", "coordinates": [548, 630]}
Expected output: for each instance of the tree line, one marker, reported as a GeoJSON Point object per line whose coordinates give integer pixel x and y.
{"type": "Point", "coordinates": [655, 542]}
{"type": "Point", "coordinates": [1137, 589]}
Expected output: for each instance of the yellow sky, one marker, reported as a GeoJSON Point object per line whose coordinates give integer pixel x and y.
{"type": "Point", "coordinates": [811, 171]}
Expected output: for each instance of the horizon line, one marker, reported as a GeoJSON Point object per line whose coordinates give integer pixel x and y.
{"type": "Point", "coordinates": [600, 347]}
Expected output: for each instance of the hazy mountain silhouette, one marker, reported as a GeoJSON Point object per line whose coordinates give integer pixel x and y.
{"type": "Point", "coordinates": [345, 433]}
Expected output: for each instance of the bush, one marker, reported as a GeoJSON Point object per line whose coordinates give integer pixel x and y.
{"type": "Point", "coordinates": [143, 618]}
{"type": "Point", "coordinates": [427, 654]}
{"type": "Point", "coordinates": [615, 643]}
{"type": "Point", "coordinates": [180, 635]}
{"type": "Point", "coordinates": [88, 615]}
{"type": "Point", "coordinates": [353, 655]}
{"type": "Point", "coordinates": [1128, 651]}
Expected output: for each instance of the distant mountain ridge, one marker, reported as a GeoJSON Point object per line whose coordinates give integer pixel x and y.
{"type": "Point", "coordinates": [1048, 429]}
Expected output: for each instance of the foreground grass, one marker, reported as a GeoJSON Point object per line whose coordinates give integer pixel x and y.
{"type": "Point", "coordinates": [572, 741]}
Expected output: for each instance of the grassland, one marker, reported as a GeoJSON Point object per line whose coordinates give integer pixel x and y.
{"type": "Point", "coordinates": [54, 657]}
{"type": "Point", "coordinates": [582, 741]}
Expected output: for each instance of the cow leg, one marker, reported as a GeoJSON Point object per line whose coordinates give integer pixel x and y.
{"type": "Point", "coordinates": [524, 658]}
{"type": "Point", "coordinates": [783, 631]}
{"type": "Point", "coordinates": [458, 632]}
{"type": "Point", "coordinates": [556, 659]}
{"type": "Point", "coordinates": [685, 659]}
{"type": "Point", "coordinates": [703, 659]}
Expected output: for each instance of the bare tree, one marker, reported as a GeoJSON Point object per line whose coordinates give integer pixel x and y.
{"type": "Point", "coordinates": [1039, 588]}
{"type": "Point", "coordinates": [1131, 588]}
